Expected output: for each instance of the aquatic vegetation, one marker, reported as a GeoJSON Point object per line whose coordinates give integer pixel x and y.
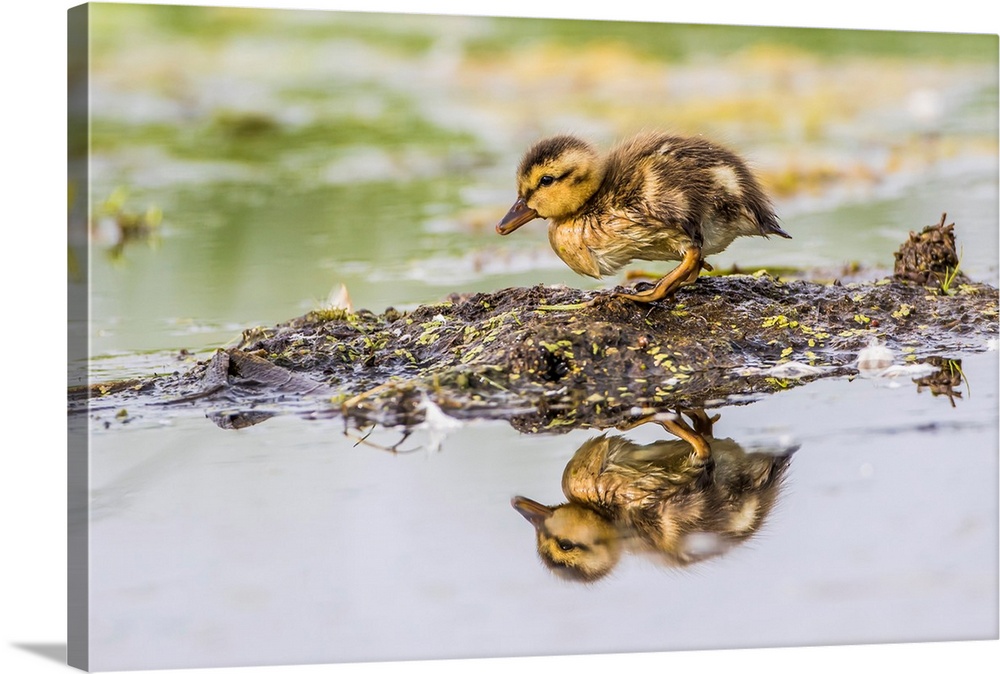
{"type": "Point", "coordinates": [114, 224]}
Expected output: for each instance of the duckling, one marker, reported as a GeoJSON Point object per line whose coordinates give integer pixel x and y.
{"type": "Point", "coordinates": [653, 197]}
{"type": "Point", "coordinates": [670, 498]}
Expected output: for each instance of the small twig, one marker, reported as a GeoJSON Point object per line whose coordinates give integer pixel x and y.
{"type": "Point", "coordinates": [351, 402]}
{"type": "Point", "coordinates": [392, 449]}
{"type": "Point", "coordinates": [362, 438]}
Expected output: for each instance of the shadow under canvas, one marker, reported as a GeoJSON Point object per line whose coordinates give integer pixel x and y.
{"type": "Point", "coordinates": [50, 651]}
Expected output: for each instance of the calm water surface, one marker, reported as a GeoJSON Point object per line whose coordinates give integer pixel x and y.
{"type": "Point", "coordinates": [379, 154]}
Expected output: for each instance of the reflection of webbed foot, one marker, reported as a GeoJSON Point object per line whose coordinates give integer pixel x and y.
{"type": "Point", "coordinates": [702, 422]}
{"type": "Point", "coordinates": [674, 424]}
{"type": "Point", "coordinates": [635, 423]}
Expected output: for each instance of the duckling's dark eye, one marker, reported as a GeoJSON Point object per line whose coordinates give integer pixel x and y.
{"type": "Point", "coordinates": [565, 545]}
{"type": "Point", "coordinates": [545, 181]}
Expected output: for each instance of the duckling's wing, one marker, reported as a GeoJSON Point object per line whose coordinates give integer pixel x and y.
{"type": "Point", "coordinates": [743, 190]}
{"type": "Point", "coordinates": [694, 178]}
{"type": "Point", "coordinates": [650, 183]}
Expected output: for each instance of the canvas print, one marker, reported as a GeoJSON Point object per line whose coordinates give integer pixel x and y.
{"type": "Point", "coordinates": [402, 337]}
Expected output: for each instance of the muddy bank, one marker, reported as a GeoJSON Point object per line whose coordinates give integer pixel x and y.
{"type": "Point", "coordinates": [542, 359]}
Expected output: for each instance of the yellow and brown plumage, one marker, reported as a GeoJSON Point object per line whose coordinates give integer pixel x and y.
{"type": "Point", "coordinates": [655, 196]}
{"type": "Point", "coordinates": [683, 501]}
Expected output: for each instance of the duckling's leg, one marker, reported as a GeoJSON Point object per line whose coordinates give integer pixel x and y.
{"type": "Point", "coordinates": [685, 274]}
{"type": "Point", "coordinates": [633, 274]}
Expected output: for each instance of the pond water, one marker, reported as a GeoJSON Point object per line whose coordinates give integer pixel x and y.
{"type": "Point", "coordinates": [277, 155]}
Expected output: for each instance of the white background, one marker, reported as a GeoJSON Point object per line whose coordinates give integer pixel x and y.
{"type": "Point", "coordinates": [32, 213]}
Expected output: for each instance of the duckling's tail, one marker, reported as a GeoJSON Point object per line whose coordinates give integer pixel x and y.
{"type": "Point", "coordinates": [769, 225]}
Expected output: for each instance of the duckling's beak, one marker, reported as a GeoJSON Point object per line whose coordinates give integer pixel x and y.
{"type": "Point", "coordinates": [530, 510]}
{"type": "Point", "coordinates": [518, 214]}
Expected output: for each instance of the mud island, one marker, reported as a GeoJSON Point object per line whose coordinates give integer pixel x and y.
{"type": "Point", "coordinates": [553, 358]}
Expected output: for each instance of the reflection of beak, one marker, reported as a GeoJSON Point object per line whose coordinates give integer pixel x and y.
{"type": "Point", "coordinates": [518, 214]}
{"type": "Point", "coordinates": [530, 510]}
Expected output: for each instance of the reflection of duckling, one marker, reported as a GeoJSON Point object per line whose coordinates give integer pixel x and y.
{"type": "Point", "coordinates": [669, 497]}
{"type": "Point", "coordinates": [654, 197]}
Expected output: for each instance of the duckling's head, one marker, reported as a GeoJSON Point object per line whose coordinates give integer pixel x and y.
{"type": "Point", "coordinates": [574, 541]}
{"type": "Point", "coordinates": [555, 179]}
